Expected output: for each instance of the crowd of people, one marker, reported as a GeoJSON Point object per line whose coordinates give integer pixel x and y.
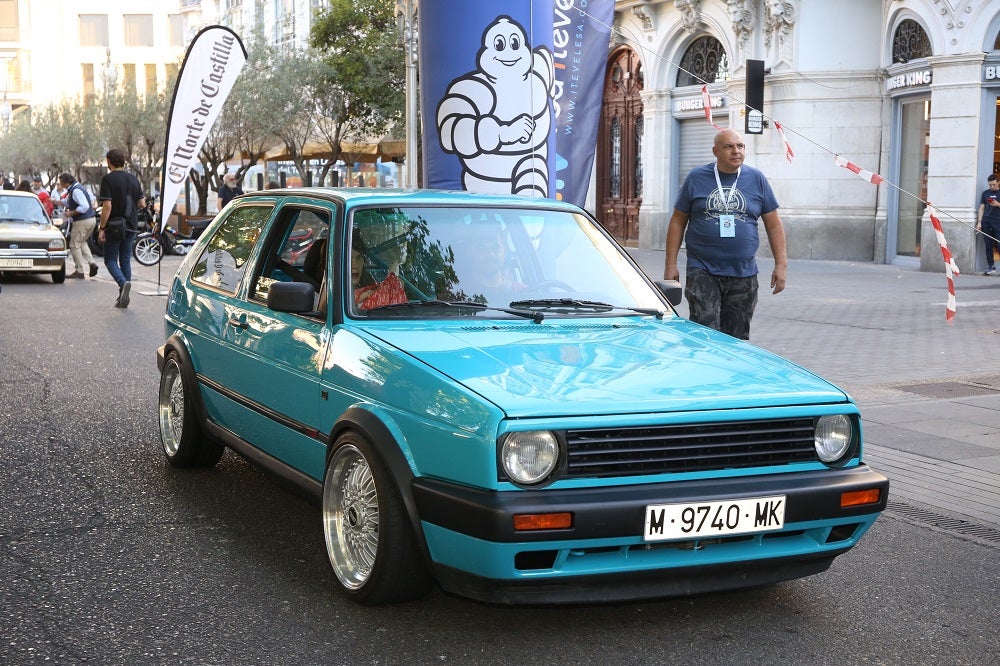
{"type": "Point", "coordinates": [119, 199]}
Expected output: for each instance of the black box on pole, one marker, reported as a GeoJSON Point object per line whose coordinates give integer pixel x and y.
{"type": "Point", "coordinates": [754, 112]}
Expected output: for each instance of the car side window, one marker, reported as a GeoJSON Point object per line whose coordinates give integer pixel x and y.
{"type": "Point", "coordinates": [296, 251]}
{"type": "Point", "coordinates": [223, 261]}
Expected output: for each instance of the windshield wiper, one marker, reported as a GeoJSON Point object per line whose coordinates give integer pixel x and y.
{"type": "Point", "coordinates": [535, 316]}
{"type": "Point", "coordinates": [577, 304]}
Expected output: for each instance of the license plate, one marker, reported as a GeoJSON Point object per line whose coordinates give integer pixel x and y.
{"type": "Point", "coordinates": [15, 263]}
{"type": "Point", "coordinates": [709, 519]}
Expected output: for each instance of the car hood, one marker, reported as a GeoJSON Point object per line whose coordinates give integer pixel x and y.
{"type": "Point", "coordinates": [581, 367]}
{"type": "Point", "coordinates": [24, 231]}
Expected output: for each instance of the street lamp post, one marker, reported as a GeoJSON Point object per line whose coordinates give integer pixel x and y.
{"type": "Point", "coordinates": [406, 12]}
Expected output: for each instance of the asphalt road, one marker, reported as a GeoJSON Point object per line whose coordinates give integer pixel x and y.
{"type": "Point", "coordinates": [110, 556]}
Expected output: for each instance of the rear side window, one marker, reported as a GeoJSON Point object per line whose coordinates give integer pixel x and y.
{"type": "Point", "coordinates": [223, 261]}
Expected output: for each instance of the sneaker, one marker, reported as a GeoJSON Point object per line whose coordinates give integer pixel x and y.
{"type": "Point", "coordinates": [93, 270]}
{"type": "Point", "coordinates": [76, 275]}
{"type": "Point", "coordinates": [990, 271]}
{"type": "Point", "coordinates": [123, 296]}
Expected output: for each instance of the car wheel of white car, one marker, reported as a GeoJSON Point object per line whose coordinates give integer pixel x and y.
{"type": "Point", "coordinates": [59, 276]}
{"type": "Point", "coordinates": [369, 540]}
{"type": "Point", "coordinates": [184, 442]}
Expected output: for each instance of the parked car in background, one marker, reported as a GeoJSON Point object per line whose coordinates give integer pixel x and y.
{"type": "Point", "coordinates": [487, 392]}
{"type": "Point", "coordinates": [29, 242]}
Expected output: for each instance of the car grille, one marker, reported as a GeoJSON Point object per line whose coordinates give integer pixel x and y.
{"type": "Point", "coordinates": [25, 245]}
{"type": "Point", "coordinates": [689, 447]}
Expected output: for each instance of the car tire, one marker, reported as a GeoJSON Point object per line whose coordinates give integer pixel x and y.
{"type": "Point", "coordinates": [60, 275]}
{"type": "Point", "coordinates": [184, 441]}
{"type": "Point", "coordinates": [369, 539]}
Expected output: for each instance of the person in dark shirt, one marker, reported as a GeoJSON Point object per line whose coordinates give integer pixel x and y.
{"type": "Point", "coordinates": [121, 198]}
{"type": "Point", "coordinates": [716, 213]}
{"type": "Point", "coordinates": [229, 190]}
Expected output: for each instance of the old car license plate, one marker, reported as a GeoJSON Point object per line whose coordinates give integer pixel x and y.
{"type": "Point", "coordinates": [15, 263]}
{"type": "Point", "coordinates": [707, 519]}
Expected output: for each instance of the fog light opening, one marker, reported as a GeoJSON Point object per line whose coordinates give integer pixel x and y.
{"type": "Point", "coordinates": [860, 497]}
{"type": "Point", "coordinates": [525, 522]}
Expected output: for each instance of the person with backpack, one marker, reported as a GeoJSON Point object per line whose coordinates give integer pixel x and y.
{"type": "Point", "coordinates": [121, 198]}
{"type": "Point", "coordinates": [82, 217]}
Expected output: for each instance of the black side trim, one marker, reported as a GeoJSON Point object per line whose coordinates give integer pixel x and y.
{"type": "Point", "coordinates": [619, 511]}
{"type": "Point", "coordinates": [266, 412]}
{"type": "Point", "coordinates": [290, 477]}
{"type": "Point", "coordinates": [633, 586]}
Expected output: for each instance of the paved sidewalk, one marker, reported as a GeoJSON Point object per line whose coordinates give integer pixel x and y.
{"type": "Point", "coordinates": [929, 390]}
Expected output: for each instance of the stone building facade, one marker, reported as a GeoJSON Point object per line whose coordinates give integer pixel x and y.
{"type": "Point", "coordinates": [908, 89]}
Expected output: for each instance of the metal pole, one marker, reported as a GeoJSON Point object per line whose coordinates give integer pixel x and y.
{"type": "Point", "coordinates": [412, 116]}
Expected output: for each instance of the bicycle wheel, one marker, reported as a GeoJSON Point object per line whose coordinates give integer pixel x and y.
{"type": "Point", "coordinates": [147, 249]}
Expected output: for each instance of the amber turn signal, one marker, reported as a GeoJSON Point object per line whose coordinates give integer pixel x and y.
{"type": "Point", "coordinates": [860, 497]}
{"type": "Point", "coordinates": [543, 521]}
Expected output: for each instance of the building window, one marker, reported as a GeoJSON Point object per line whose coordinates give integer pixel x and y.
{"type": "Point", "coordinates": [705, 61]}
{"type": "Point", "coordinates": [89, 90]}
{"type": "Point", "coordinates": [910, 42]}
{"type": "Point", "coordinates": [128, 70]}
{"type": "Point", "coordinates": [151, 87]}
{"type": "Point", "coordinates": [138, 29]}
{"type": "Point", "coordinates": [175, 30]}
{"type": "Point", "coordinates": [94, 30]}
{"type": "Point", "coordinates": [172, 72]}
{"type": "Point", "coordinates": [615, 166]}
{"type": "Point", "coordinates": [9, 30]}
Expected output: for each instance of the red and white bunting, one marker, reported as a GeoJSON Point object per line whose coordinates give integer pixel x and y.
{"type": "Point", "coordinates": [788, 147]}
{"type": "Point", "coordinates": [706, 101]}
{"type": "Point", "coordinates": [864, 174]}
{"type": "Point", "coordinates": [950, 267]}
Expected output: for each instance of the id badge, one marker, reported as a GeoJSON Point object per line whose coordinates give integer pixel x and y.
{"type": "Point", "coordinates": [727, 226]}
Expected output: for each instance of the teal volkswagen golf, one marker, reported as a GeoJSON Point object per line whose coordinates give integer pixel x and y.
{"type": "Point", "coordinates": [486, 393]}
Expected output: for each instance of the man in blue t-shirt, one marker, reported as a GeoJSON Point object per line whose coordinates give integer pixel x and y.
{"type": "Point", "coordinates": [718, 206]}
{"type": "Point", "coordinates": [989, 220]}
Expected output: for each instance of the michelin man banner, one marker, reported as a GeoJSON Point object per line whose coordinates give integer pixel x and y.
{"type": "Point", "coordinates": [487, 91]}
{"type": "Point", "coordinates": [581, 31]}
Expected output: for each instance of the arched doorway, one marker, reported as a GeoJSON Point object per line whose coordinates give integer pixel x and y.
{"type": "Point", "coordinates": [619, 147]}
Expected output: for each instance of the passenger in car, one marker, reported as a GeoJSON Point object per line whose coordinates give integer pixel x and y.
{"type": "Point", "coordinates": [368, 292]}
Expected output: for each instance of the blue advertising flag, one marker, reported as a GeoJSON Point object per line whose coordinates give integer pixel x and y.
{"type": "Point", "coordinates": [581, 32]}
{"type": "Point", "coordinates": [487, 87]}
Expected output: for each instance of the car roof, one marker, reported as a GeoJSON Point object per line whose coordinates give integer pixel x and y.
{"type": "Point", "coordinates": [17, 193]}
{"type": "Point", "coordinates": [374, 196]}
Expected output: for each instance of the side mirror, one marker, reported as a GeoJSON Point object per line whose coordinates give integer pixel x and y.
{"type": "Point", "coordinates": [291, 297]}
{"type": "Point", "coordinates": [672, 289]}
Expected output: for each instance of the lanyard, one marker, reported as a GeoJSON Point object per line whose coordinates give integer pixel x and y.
{"type": "Point", "coordinates": [732, 188]}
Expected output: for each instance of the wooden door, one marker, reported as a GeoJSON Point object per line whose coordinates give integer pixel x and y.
{"type": "Point", "coordinates": [619, 147]}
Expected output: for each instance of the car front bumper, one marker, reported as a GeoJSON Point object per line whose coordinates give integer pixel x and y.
{"type": "Point", "coordinates": [32, 261]}
{"type": "Point", "coordinates": [477, 552]}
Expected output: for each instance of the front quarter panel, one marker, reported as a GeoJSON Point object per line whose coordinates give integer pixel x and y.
{"type": "Point", "coordinates": [443, 429]}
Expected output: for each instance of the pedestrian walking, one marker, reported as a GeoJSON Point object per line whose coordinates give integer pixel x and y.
{"type": "Point", "coordinates": [989, 220]}
{"type": "Point", "coordinates": [716, 213]}
{"type": "Point", "coordinates": [121, 198]}
{"type": "Point", "coordinates": [79, 213]}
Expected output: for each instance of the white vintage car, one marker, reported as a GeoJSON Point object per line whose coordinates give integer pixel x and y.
{"type": "Point", "coordinates": [29, 242]}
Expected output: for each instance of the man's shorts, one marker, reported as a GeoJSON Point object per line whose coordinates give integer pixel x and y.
{"type": "Point", "coordinates": [723, 303]}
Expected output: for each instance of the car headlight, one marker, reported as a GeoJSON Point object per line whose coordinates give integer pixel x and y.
{"type": "Point", "coordinates": [57, 244]}
{"type": "Point", "coordinates": [834, 436]}
{"type": "Point", "coordinates": [529, 457]}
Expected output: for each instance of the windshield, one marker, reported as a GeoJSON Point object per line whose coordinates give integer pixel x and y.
{"type": "Point", "coordinates": [22, 209]}
{"type": "Point", "coordinates": [494, 257]}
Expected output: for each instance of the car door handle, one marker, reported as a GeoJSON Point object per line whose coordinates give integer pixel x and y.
{"type": "Point", "coordinates": [240, 323]}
